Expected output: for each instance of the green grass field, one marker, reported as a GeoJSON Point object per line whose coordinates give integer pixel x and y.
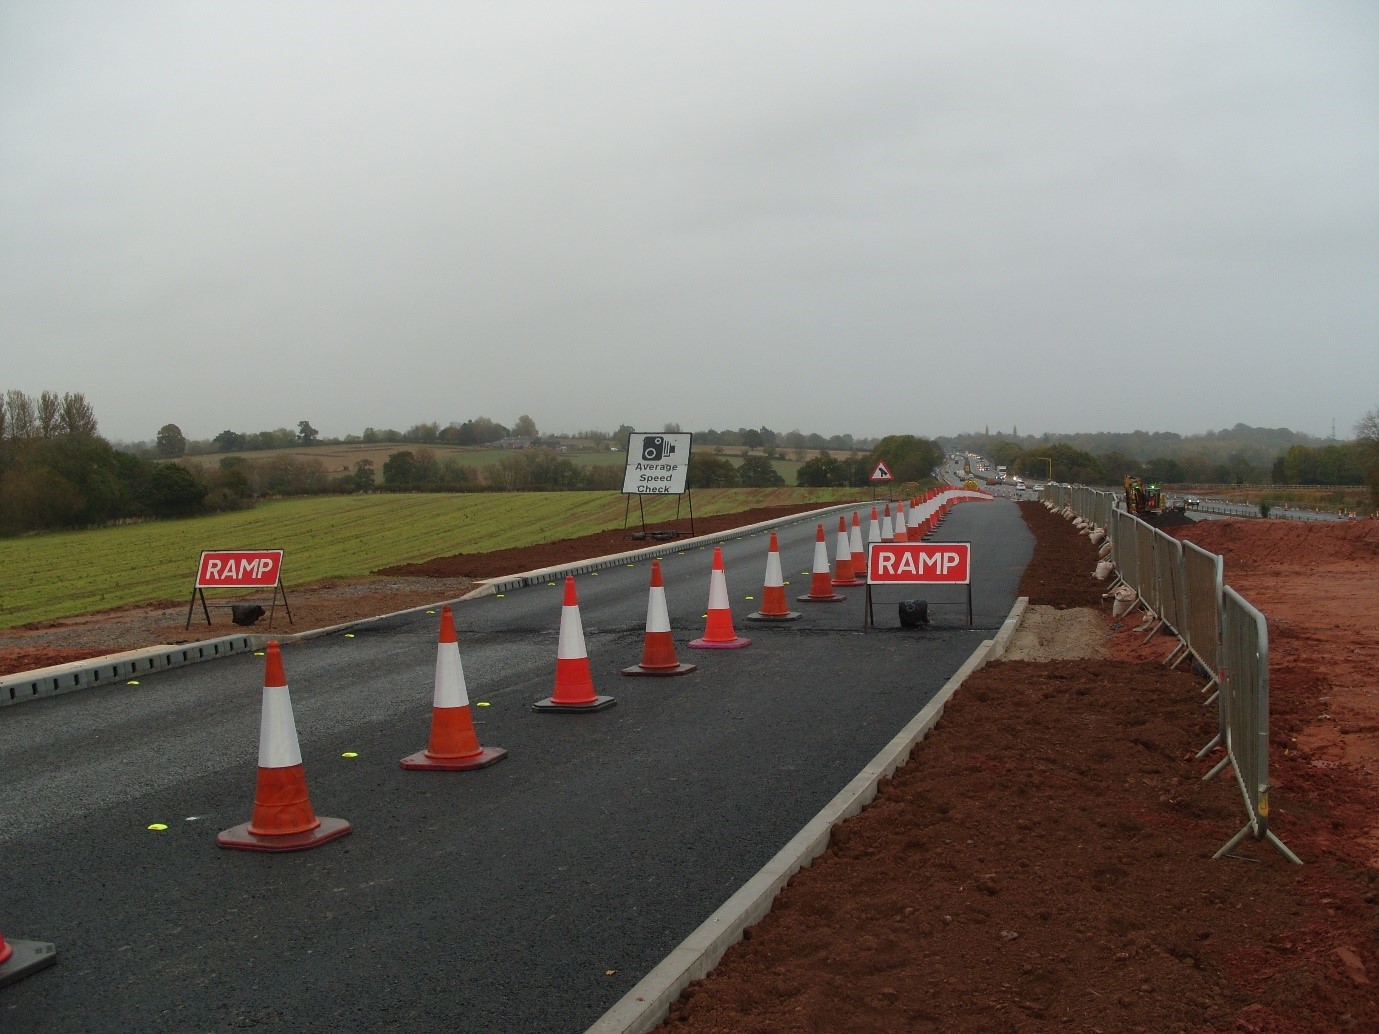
{"type": "Point", "coordinates": [43, 577]}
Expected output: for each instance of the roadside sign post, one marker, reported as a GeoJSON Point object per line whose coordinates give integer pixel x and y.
{"type": "Point", "coordinates": [880, 476]}
{"type": "Point", "coordinates": [657, 464]}
{"type": "Point", "coordinates": [918, 563]}
{"type": "Point", "coordinates": [239, 569]}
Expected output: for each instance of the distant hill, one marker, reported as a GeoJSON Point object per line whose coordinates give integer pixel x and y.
{"type": "Point", "coordinates": [1257, 445]}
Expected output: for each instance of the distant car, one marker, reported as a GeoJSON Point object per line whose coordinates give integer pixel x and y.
{"type": "Point", "coordinates": [1192, 502]}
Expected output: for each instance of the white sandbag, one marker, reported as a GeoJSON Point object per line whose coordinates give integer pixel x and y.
{"type": "Point", "coordinates": [1123, 601]}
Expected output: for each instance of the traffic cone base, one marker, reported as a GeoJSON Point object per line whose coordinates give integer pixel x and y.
{"type": "Point", "coordinates": [239, 837]}
{"type": "Point", "coordinates": [549, 705]}
{"type": "Point", "coordinates": [422, 761]}
{"type": "Point", "coordinates": [675, 669]}
{"type": "Point", "coordinates": [789, 615]}
{"type": "Point", "coordinates": [845, 582]}
{"type": "Point", "coordinates": [20, 958]}
{"type": "Point", "coordinates": [736, 643]}
{"type": "Point", "coordinates": [835, 598]}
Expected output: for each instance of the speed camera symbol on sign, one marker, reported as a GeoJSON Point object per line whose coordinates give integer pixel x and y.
{"type": "Point", "coordinates": [655, 448]}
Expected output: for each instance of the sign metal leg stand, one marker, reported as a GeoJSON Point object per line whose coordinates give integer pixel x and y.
{"type": "Point", "coordinates": [192, 606]}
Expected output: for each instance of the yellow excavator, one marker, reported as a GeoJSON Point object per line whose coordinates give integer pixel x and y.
{"type": "Point", "coordinates": [1141, 498]}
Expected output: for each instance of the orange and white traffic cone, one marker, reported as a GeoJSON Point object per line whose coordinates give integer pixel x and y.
{"type": "Point", "coordinates": [874, 528]}
{"type": "Point", "coordinates": [773, 606]}
{"type": "Point", "coordinates": [842, 560]}
{"type": "Point", "coordinates": [887, 527]}
{"type": "Point", "coordinates": [283, 818]}
{"type": "Point", "coordinates": [454, 745]}
{"type": "Point", "coordinates": [574, 683]}
{"type": "Point", "coordinates": [20, 958]}
{"type": "Point", "coordinates": [658, 648]}
{"type": "Point", "coordinates": [718, 630]}
{"type": "Point", "coordinates": [859, 555]}
{"type": "Point", "coordinates": [820, 584]}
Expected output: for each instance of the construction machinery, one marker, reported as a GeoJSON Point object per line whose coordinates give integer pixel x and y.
{"type": "Point", "coordinates": [1141, 498]}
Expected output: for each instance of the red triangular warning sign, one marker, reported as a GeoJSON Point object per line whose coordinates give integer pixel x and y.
{"type": "Point", "coordinates": [882, 472]}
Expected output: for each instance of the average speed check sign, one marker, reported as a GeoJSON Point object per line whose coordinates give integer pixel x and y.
{"type": "Point", "coordinates": [657, 464]}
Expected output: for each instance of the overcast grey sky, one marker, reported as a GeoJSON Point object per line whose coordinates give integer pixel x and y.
{"type": "Point", "coordinates": [862, 218]}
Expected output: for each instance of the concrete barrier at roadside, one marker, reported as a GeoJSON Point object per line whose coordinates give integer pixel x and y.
{"type": "Point", "coordinates": [119, 667]}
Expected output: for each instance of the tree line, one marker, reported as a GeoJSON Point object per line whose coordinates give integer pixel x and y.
{"type": "Point", "coordinates": [171, 443]}
{"type": "Point", "coordinates": [1236, 446]}
{"type": "Point", "coordinates": [1351, 463]}
{"type": "Point", "coordinates": [57, 472]}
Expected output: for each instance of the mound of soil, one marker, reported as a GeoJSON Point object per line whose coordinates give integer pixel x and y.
{"type": "Point", "coordinates": [1168, 519]}
{"type": "Point", "coordinates": [1060, 572]}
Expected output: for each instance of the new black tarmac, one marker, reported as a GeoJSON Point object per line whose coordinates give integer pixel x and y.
{"type": "Point", "coordinates": [524, 897]}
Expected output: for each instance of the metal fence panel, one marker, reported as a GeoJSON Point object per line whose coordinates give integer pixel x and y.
{"type": "Point", "coordinates": [1202, 583]}
{"type": "Point", "coordinates": [1168, 572]}
{"type": "Point", "coordinates": [1144, 557]}
{"type": "Point", "coordinates": [1245, 696]}
{"type": "Point", "coordinates": [1126, 549]}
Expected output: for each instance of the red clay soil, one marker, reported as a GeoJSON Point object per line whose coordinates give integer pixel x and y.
{"type": "Point", "coordinates": [550, 554]}
{"type": "Point", "coordinates": [1044, 860]}
{"type": "Point", "coordinates": [1058, 577]}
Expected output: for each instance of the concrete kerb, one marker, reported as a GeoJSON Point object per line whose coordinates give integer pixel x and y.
{"type": "Point", "coordinates": [120, 667]}
{"type": "Point", "coordinates": [648, 1003]}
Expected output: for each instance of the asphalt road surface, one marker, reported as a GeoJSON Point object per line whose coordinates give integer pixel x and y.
{"type": "Point", "coordinates": [524, 897]}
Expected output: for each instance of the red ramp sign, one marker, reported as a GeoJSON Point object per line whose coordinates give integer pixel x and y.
{"type": "Point", "coordinates": [239, 568]}
{"type": "Point", "coordinates": [906, 563]}
{"type": "Point", "coordinates": [918, 563]}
